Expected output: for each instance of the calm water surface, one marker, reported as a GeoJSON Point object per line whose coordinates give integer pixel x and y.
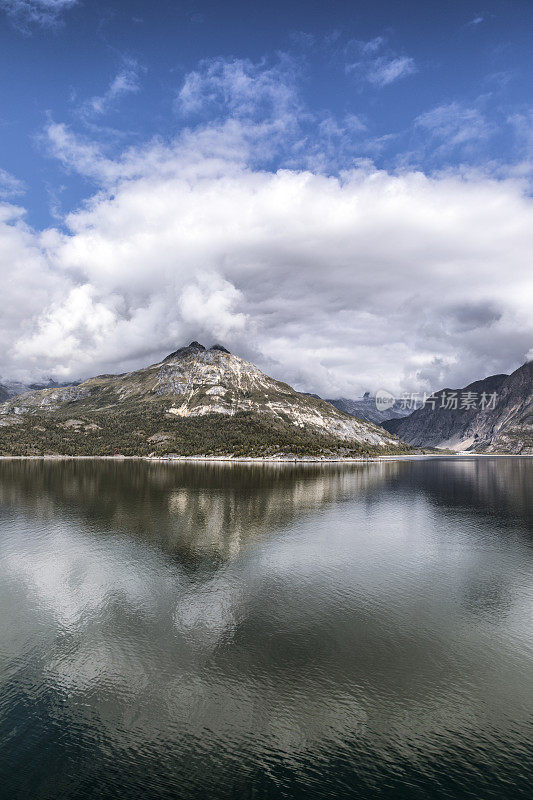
{"type": "Point", "coordinates": [225, 631]}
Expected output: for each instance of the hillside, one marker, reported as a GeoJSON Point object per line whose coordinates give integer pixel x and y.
{"type": "Point", "coordinates": [195, 401]}
{"type": "Point", "coordinates": [504, 425]}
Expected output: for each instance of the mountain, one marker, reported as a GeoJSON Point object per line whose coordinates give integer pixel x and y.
{"type": "Point", "coordinates": [365, 408]}
{"type": "Point", "coordinates": [195, 401]}
{"type": "Point", "coordinates": [499, 421]}
{"type": "Point", "coordinates": [13, 388]}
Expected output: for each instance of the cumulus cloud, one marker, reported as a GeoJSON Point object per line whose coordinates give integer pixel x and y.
{"type": "Point", "coordinates": [337, 282]}
{"type": "Point", "coordinates": [39, 12]}
{"type": "Point", "coordinates": [29, 283]}
{"type": "Point", "coordinates": [209, 303]}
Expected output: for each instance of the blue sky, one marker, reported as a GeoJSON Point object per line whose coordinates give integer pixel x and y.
{"type": "Point", "coordinates": [430, 84]}
{"type": "Point", "coordinates": [103, 102]}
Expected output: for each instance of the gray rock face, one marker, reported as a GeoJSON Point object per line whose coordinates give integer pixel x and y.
{"type": "Point", "coordinates": [503, 423]}
{"type": "Point", "coordinates": [44, 400]}
{"type": "Point", "coordinates": [215, 381]}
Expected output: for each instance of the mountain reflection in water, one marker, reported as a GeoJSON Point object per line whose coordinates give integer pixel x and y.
{"type": "Point", "coordinates": [227, 631]}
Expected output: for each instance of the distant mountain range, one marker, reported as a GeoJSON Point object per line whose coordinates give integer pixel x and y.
{"type": "Point", "coordinates": [494, 415]}
{"type": "Point", "coordinates": [194, 402]}
{"type": "Point", "coordinates": [13, 388]}
{"type": "Point", "coordinates": [366, 408]}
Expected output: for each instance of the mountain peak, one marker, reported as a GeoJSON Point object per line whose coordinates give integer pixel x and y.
{"type": "Point", "coordinates": [183, 351]}
{"type": "Point", "coordinates": [194, 347]}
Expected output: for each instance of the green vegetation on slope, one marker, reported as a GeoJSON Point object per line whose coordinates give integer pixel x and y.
{"type": "Point", "coordinates": [150, 430]}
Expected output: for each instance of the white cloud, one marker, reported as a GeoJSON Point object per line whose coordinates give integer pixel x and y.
{"type": "Point", "coordinates": [384, 71]}
{"type": "Point", "coordinates": [241, 88]}
{"type": "Point", "coordinates": [243, 113]}
{"type": "Point", "coordinates": [372, 46]}
{"type": "Point", "coordinates": [209, 304]}
{"type": "Point", "coordinates": [126, 81]}
{"type": "Point", "coordinates": [377, 64]}
{"type": "Point", "coordinates": [251, 111]}
{"type": "Point", "coordinates": [455, 125]}
{"type": "Point", "coordinates": [522, 127]}
{"type": "Point", "coordinates": [39, 12]}
{"type": "Point", "coordinates": [10, 186]}
{"type": "Point", "coordinates": [335, 282]}
{"type": "Point", "coordinates": [29, 282]}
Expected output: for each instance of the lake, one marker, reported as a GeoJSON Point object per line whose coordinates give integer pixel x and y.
{"type": "Point", "coordinates": [266, 631]}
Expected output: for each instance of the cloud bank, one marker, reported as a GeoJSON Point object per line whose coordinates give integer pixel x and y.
{"type": "Point", "coordinates": [336, 281]}
{"type": "Point", "coordinates": [333, 283]}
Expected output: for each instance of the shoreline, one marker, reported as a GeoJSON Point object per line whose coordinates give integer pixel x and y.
{"type": "Point", "coordinates": [266, 459]}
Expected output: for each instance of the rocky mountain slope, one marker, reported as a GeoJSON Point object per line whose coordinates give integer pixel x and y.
{"type": "Point", "coordinates": [494, 415]}
{"type": "Point", "coordinates": [195, 401]}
